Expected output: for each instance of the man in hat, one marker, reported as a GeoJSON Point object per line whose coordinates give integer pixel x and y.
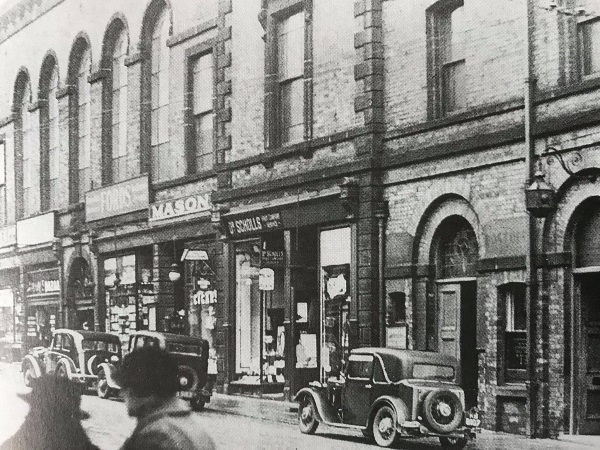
{"type": "Point", "coordinates": [149, 384]}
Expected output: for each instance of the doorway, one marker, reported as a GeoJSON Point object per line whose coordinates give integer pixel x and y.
{"type": "Point", "coordinates": [457, 306]}
{"type": "Point", "coordinates": [588, 369]}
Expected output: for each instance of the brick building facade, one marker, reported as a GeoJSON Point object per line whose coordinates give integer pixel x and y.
{"type": "Point", "coordinates": [366, 161]}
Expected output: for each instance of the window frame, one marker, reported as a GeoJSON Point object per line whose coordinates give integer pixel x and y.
{"type": "Point", "coordinates": [3, 199]}
{"type": "Point", "coordinates": [192, 55]}
{"type": "Point", "coordinates": [506, 329]}
{"type": "Point", "coordinates": [119, 53]}
{"type": "Point", "coordinates": [82, 79]}
{"type": "Point", "coordinates": [363, 358]}
{"type": "Point", "coordinates": [585, 48]}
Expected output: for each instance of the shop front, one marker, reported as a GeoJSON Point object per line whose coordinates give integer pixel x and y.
{"type": "Point", "coordinates": [11, 305]}
{"type": "Point", "coordinates": [291, 296]}
{"type": "Point", "coordinates": [43, 305]}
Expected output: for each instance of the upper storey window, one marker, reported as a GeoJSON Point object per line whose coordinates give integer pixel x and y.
{"type": "Point", "coordinates": [446, 56]}
{"type": "Point", "coordinates": [119, 166]}
{"type": "Point", "coordinates": [162, 165]}
{"type": "Point", "coordinates": [589, 47]}
{"type": "Point", "coordinates": [53, 142]}
{"type": "Point", "coordinates": [202, 110]}
{"type": "Point", "coordinates": [30, 193]}
{"type": "Point", "coordinates": [290, 72]}
{"type": "Point", "coordinates": [84, 124]}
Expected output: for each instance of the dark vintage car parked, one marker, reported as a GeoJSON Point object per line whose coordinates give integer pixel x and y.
{"type": "Point", "coordinates": [391, 393]}
{"type": "Point", "coordinates": [73, 354]}
{"type": "Point", "coordinates": [191, 354]}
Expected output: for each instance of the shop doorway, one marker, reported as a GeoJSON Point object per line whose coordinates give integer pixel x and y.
{"type": "Point", "coordinates": [456, 253]}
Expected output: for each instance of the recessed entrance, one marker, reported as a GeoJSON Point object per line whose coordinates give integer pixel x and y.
{"type": "Point", "coordinates": [456, 253]}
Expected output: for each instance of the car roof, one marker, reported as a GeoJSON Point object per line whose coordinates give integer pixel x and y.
{"type": "Point", "coordinates": [408, 356]}
{"type": "Point", "coordinates": [85, 334]}
{"type": "Point", "coordinates": [170, 337]}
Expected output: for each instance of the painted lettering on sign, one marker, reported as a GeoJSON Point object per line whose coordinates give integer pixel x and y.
{"type": "Point", "coordinates": [179, 207]}
{"type": "Point", "coordinates": [121, 198]}
{"type": "Point", "coordinates": [205, 297]}
{"type": "Point", "coordinates": [254, 224]}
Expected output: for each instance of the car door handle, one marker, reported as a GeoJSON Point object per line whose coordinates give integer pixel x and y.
{"type": "Point", "coordinates": [368, 386]}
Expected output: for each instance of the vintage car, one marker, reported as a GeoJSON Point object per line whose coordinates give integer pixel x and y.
{"type": "Point", "coordinates": [390, 393]}
{"type": "Point", "coordinates": [191, 353]}
{"type": "Point", "coordinates": [73, 354]}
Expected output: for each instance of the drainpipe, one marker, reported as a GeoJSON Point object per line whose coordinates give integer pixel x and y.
{"type": "Point", "coordinates": [381, 214]}
{"type": "Point", "coordinates": [531, 270]}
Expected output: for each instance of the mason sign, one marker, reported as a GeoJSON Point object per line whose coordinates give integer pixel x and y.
{"type": "Point", "coordinates": [168, 209]}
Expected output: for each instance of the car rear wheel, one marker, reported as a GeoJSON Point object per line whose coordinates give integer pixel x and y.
{"type": "Point", "coordinates": [197, 404]}
{"type": "Point", "coordinates": [307, 416]}
{"type": "Point", "coordinates": [385, 429]}
{"type": "Point", "coordinates": [449, 443]}
{"type": "Point", "coordinates": [28, 375]}
{"type": "Point", "coordinates": [102, 388]}
{"type": "Point", "coordinates": [443, 410]}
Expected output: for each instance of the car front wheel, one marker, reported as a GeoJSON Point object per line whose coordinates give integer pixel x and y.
{"type": "Point", "coordinates": [449, 443]}
{"type": "Point", "coordinates": [61, 372]}
{"type": "Point", "coordinates": [307, 416]}
{"type": "Point", "coordinates": [385, 430]}
{"type": "Point", "coordinates": [102, 388]}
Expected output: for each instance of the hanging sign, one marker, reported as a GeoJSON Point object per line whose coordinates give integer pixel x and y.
{"type": "Point", "coordinates": [272, 258]}
{"type": "Point", "coordinates": [266, 279]}
{"type": "Point", "coordinates": [253, 224]}
{"type": "Point", "coordinates": [205, 297]}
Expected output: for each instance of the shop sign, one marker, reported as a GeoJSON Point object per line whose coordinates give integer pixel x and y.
{"type": "Point", "coordinates": [272, 258]}
{"type": "Point", "coordinates": [257, 223]}
{"type": "Point", "coordinates": [266, 279]}
{"type": "Point", "coordinates": [36, 230]}
{"type": "Point", "coordinates": [205, 297]}
{"type": "Point", "coordinates": [43, 282]}
{"type": "Point", "coordinates": [179, 207]}
{"type": "Point", "coordinates": [121, 198]}
{"type": "Point", "coordinates": [396, 337]}
{"type": "Point", "coordinates": [8, 235]}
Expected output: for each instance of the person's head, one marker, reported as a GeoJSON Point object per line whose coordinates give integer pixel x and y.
{"type": "Point", "coordinates": [55, 398]}
{"type": "Point", "coordinates": [147, 376]}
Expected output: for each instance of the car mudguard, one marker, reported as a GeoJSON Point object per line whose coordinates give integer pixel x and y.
{"type": "Point", "coordinates": [396, 403]}
{"type": "Point", "coordinates": [69, 365]}
{"type": "Point", "coordinates": [325, 410]}
{"type": "Point", "coordinates": [109, 371]}
{"type": "Point", "coordinates": [33, 362]}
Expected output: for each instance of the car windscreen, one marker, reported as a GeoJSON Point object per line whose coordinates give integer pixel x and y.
{"type": "Point", "coordinates": [433, 371]}
{"type": "Point", "coordinates": [100, 345]}
{"type": "Point", "coordinates": [179, 347]}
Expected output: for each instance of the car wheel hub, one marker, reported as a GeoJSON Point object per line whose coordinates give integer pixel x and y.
{"type": "Point", "coordinates": [306, 413]}
{"type": "Point", "coordinates": [444, 409]}
{"type": "Point", "coordinates": [385, 426]}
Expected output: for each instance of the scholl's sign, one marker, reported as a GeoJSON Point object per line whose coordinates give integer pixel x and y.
{"type": "Point", "coordinates": [254, 224]}
{"type": "Point", "coordinates": [120, 198]}
{"type": "Point", "coordinates": [168, 209]}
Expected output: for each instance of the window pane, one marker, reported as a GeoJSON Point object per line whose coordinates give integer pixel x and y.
{"type": "Point", "coordinates": [454, 92]}
{"type": "Point", "coordinates": [290, 47]}
{"type": "Point", "coordinates": [203, 128]}
{"type": "Point", "coordinates": [163, 125]}
{"type": "Point", "coordinates": [2, 163]}
{"type": "Point", "coordinates": [292, 111]}
{"type": "Point", "coordinates": [203, 84]}
{"type": "Point", "coordinates": [591, 47]}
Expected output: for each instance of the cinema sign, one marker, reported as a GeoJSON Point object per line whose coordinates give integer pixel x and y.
{"type": "Point", "coordinates": [168, 209]}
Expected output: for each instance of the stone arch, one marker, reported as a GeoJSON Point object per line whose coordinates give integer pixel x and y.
{"type": "Point", "coordinates": [81, 43]}
{"type": "Point", "coordinates": [153, 10]}
{"type": "Point", "coordinates": [49, 63]}
{"type": "Point", "coordinates": [79, 268]}
{"type": "Point", "coordinates": [117, 25]}
{"type": "Point", "coordinates": [439, 210]}
{"type": "Point", "coordinates": [22, 87]}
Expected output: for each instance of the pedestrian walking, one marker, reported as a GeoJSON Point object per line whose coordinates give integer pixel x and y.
{"type": "Point", "coordinates": [54, 418]}
{"type": "Point", "coordinates": [149, 384]}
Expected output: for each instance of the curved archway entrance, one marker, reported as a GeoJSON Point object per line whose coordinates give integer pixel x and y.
{"type": "Point", "coordinates": [455, 255]}
{"type": "Point", "coordinates": [80, 295]}
{"type": "Point", "coordinates": [587, 320]}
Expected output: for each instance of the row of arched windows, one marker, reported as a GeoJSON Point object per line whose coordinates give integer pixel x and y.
{"type": "Point", "coordinates": [41, 181]}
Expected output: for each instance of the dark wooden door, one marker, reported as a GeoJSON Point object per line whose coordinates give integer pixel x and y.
{"type": "Point", "coordinates": [449, 319]}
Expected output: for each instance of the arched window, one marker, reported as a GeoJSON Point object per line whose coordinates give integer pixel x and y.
{"type": "Point", "coordinates": [84, 124]}
{"type": "Point", "coordinates": [162, 166]}
{"type": "Point", "coordinates": [49, 173]}
{"type": "Point", "coordinates": [30, 192]}
{"type": "Point", "coordinates": [587, 242]}
{"type": "Point", "coordinates": [119, 164]}
{"type": "Point", "coordinates": [457, 249]}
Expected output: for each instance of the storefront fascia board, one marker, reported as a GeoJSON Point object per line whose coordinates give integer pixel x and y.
{"type": "Point", "coordinates": [148, 236]}
{"type": "Point", "coordinates": [36, 231]}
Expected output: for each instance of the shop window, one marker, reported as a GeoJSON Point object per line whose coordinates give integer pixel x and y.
{"type": "Point", "coordinates": [589, 47]}
{"type": "Point", "coordinates": [514, 330]}
{"type": "Point", "coordinates": [446, 55]}
{"type": "Point", "coordinates": [202, 120]}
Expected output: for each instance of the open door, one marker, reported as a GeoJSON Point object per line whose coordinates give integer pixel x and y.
{"type": "Point", "coordinates": [589, 378]}
{"type": "Point", "coordinates": [449, 319]}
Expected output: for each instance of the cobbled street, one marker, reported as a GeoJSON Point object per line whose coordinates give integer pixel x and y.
{"type": "Point", "coordinates": [108, 426]}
